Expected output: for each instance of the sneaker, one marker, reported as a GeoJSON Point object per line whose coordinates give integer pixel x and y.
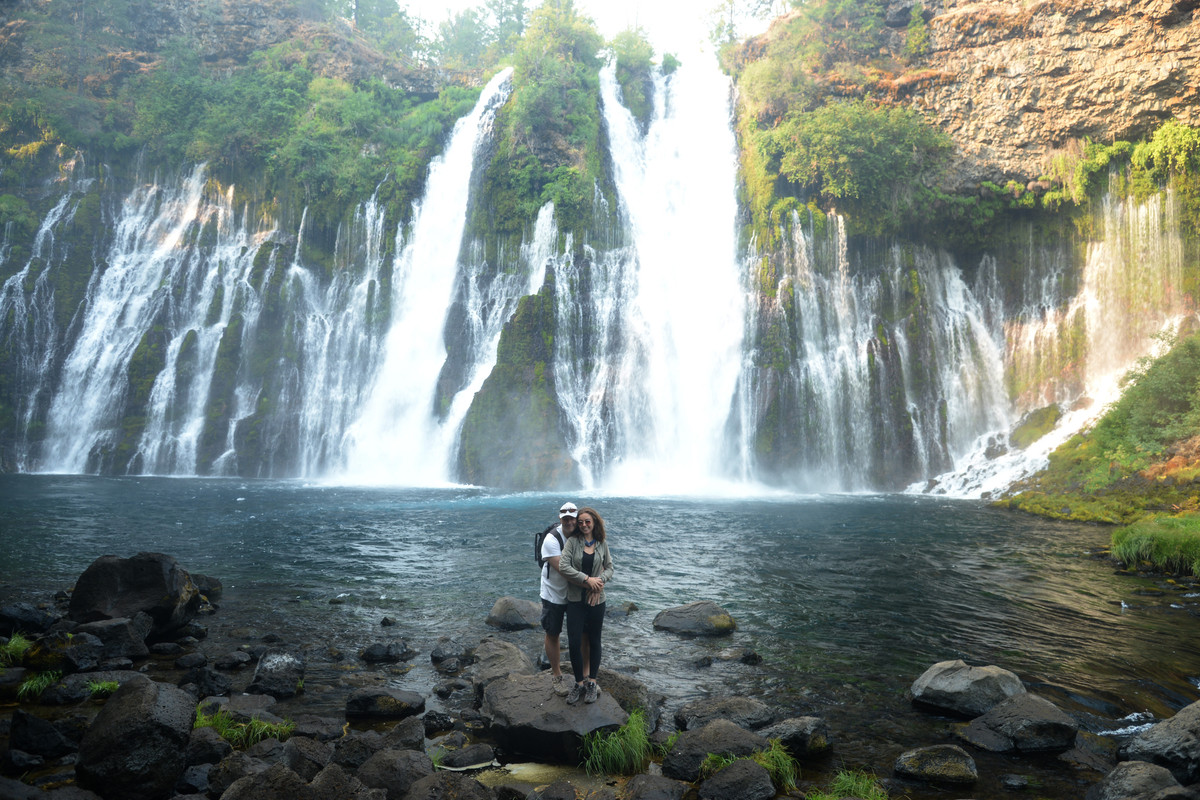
{"type": "Point", "coordinates": [592, 693]}
{"type": "Point", "coordinates": [575, 693]}
{"type": "Point", "coordinates": [559, 682]}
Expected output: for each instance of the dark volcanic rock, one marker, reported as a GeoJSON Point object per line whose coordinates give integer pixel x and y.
{"type": "Point", "coordinates": [278, 674]}
{"type": "Point", "coordinates": [447, 785]}
{"type": "Point", "coordinates": [524, 715]}
{"type": "Point", "coordinates": [32, 734]}
{"type": "Point", "coordinates": [493, 659]}
{"type": "Point", "coordinates": [654, 787]}
{"type": "Point", "coordinates": [25, 618]}
{"type": "Point", "coordinates": [702, 618]}
{"type": "Point", "coordinates": [135, 748]}
{"type": "Point", "coordinates": [395, 770]}
{"type": "Point", "coordinates": [384, 704]}
{"type": "Point", "coordinates": [1024, 722]}
{"type": "Point", "coordinates": [945, 764]}
{"type": "Point", "coordinates": [954, 687]}
{"type": "Point", "coordinates": [1132, 779]}
{"type": "Point", "coordinates": [153, 583]}
{"type": "Point", "coordinates": [719, 736]}
{"type": "Point", "coordinates": [742, 711]}
{"type": "Point", "coordinates": [514, 614]}
{"type": "Point", "coordinates": [1173, 743]}
{"type": "Point", "coordinates": [803, 737]}
{"type": "Point", "coordinates": [741, 780]}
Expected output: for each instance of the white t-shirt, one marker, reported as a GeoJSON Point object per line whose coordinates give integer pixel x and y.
{"type": "Point", "coordinates": [554, 585]}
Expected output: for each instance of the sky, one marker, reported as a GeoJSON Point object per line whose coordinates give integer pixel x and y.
{"type": "Point", "coordinates": [678, 27]}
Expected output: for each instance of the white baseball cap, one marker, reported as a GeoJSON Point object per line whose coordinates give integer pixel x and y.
{"type": "Point", "coordinates": [568, 510]}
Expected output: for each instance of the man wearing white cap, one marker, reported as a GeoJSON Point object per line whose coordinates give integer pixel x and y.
{"type": "Point", "coordinates": [554, 593]}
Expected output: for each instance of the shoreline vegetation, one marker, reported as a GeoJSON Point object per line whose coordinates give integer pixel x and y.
{"type": "Point", "coordinates": [1137, 467]}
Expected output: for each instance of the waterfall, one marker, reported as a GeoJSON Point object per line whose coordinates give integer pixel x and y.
{"type": "Point", "coordinates": [1072, 348]}
{"type": "Point", "coordinates": [647, 390]}
{"type": "Point", "coordinates": [399, 437]}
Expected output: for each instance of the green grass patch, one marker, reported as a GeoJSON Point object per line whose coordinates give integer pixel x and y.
{"type": "Point", "coordinates": [851, 783]}
{"type": "Point", "coordinates": [37, 683]}
{"type": "Point", "coordinates": [777, 761]}
{"type": "Point", "coordinates": [12, 651]}
{"type": "Point", "coordinates": [102, 689]}
{"type": "Point", "coordinates": [625, 751]}
{"type": "Point", "coordinates": [243, 734]}
{"type": "Point", "coordinates": [1167, 543]}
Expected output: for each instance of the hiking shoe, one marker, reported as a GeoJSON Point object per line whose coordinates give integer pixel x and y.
{"type": "Point", "coordinates": [559, 682]}
{"type": "Point", "coordinates": [592, 693]}
{"type": "Point", "coordinates": [575, 693]}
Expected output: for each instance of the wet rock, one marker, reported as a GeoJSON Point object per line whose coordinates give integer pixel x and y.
{"type": "Point", "coordinates": [494, 659]}
{"type": "Point", "coordinates": [1173, 743]}
{"type": "Point", "coordinates": [524, 715]}
{"type": "Point", "coordinates": [334, 783]}
{"type": "Point", "coordinates": [443, 785]}
{"type": "Point", "coordinates": [278, 674]}
{"type": "Point", "coordinates": [276, 782]}
{"type": "Point", "coordinates": [153, 583]}
{"type": "Point", "coordinates": [437, 722]}
{"type": "Point", "coordinates": [233, 660]}
{"type": "Point", "coordinates": [232, 768]}
{"type": "Point", "coordinates": [15, 790]}
{"type": "Point", "coordinates": [654, 787]}
{"type": "Point", "coordinates": [745, 712]}
{"type": "Point", "coordinates": [1025, 723]}
{"type": "Point", "coordinates": [408, 734]}
{"type": "Point", "coordinates": [77, 688]}
{"type": "Point", "coordinates": [353, 749]}
{"type": "Point", "coordinates": [954, 687]}
{"type": "Point", "coordinates": [386, 652]}
{"type": "Point", "coordinates": [514, 614]}
{"type": "Point", "coordinates": [395, 770]}
{"type": "Point", "coordinates": [944, 764]}
{"type": "Point", "coordinates": [191, 661]}
{"type": "Point", "coordinates": [741, 780]}
{"type": "Point", "coordinates": [1131, 779]}
{"type": "Point", "coordinates": [803, 737]}
{"type": "Point", "coordinates": [37, 736]}
{"type": "Point", "coordinates": [11, 679]}
{"type": "Point", "coordinates": [447, 648]}
{"type": "Point", "coordinates": [306, 757]}
{"type": "Point", "coordinates": [205, 746]}
{"type": "Point", "coordinates": [64, 652]}
{"type": "Point", "coordinates": [559, 790]}
{"type": "Point", "coordinates": [470, 756]}
{"type": "Point", "coordinates": [194, 781]}
{"type": "Point", "coordinates": [122, 637]}
{"type": "Point", "coordinates": [702, 618]}
{"type": "Point", "coordinates": [135, 748]}
{"type": "Point", "coordinates": [384, 704]}
{"type": "Point", "coordinates": [25, 618]}
{"type": "Point", "coordinates": [719, 736]}
{"type": "Point", "coordinates": [205, 682]}
{"type": "Point", "coordinates": [631, 693]}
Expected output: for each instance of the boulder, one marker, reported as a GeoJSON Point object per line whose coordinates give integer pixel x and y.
{"type": "Point", "coordinates": [803, 737]}
{"type": "Point", "coordinates": [230, 769]}
{"type": "Point", "coordinates": [473, 755]}
{"type": "Point", "coordinates": [278, 673]}
{"type": "Point", "coordinates": [654, 787]}
{"type": "Point", "coordinates": [743, 711]}
{"type": "Point", "coordinates": [381, 703]}
{"type": "Point", "coordinates": [77, 688]}
{"type": "Point", "coordinates": [25, 618]}
{"type": "Point", "coordinates": [205, 746]}
{"type": "Point", "coordinates": [956, 688]}
{"type": "Point", "coordinates": [1131, 779]}
{"type": "Point", "coordinates": [445, 785]}
{"type": "Point", "coordinates": [121, 637]}
{"type": "Point", "coordinates": [702, 618]}
{"type": "Point", "coordinates": [945, 764]}
{"type": "Point", "coordinates": [493, 659]}
{"type": "Point", "coordinates": [632, 693]}
{"type": "Point", "coordinates": [524, 715]}
{"type": "Point", "coordinates": [276, 782]}
{"type": "Point", "coordinates": [39, 737]}
{"type": "Point", "coordinates": [306, 757]}
{"type": "Point", "coordinates": [514, 614]}
{"type": "Point", "coordinates": [1173, 743]}
{"type": "Point", "coordinates": [334, 783]}
{"type": "Point", "coordinates": [205, 682]}
{"type": "Point", "coordinates": [395, 771]}
{"type": "Point", "coordinates": [153, 583]}
{"type": "Point", "coordinates": [64, 652]}
{"type": "Point", "coordinates": [391, 652]}
{"type": "Point", "coordinates": [135, 748]}
{"type": "Point", "coordinates": [11, 679]}
{"type": "Point", "coordinates": [353, 749]}
{"type": "Point", "coordinates": [741, 780]}
{"type": "Point", "coordinates": [1025, 723]}
{"type": "Point", "coordinates": [721, 737]}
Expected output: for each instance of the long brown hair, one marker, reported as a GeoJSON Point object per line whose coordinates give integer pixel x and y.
{"type": "Point", "coordinates": [597, 529]}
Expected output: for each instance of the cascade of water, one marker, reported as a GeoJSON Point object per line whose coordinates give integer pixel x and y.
{"type": "Point", "coordinates": [665, 316]}
{"type": "Point", "coordinates": [1073, 350]}
{"type": "Point", "coordinates": [27, 324]}
{"type": "Point", "coordinates": [398, 437]}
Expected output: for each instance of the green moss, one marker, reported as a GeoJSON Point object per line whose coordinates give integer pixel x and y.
{"type": "Point", "coordinates": [1034, 426]}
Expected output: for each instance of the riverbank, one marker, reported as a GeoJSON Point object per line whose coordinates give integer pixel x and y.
{"type": "Point", "coordinates": [870, 726]}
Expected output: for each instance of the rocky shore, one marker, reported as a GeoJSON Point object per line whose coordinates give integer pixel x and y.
{"type": "Point", "coordinates": [130, 664]}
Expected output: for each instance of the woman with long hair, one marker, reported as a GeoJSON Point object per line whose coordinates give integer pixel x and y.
{"type": "Point", "coordinates": [587, 565]}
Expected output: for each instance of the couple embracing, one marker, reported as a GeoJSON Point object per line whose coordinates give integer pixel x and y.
{"type": "Point", "coordinates": [573, 577]}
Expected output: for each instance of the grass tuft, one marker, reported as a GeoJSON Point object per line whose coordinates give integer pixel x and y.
{"type": "Point", "coordinates": [12, 651]}
{"type": "Point", "coordinates": [625, 751]}
{"type": "Point", "coordinates": [243, 734]}
{"type": "Point", "coordinates": [37, 683]}
{"type": "Point", "coordinates": [1170, 544]}
{"type": "Point", "coordinates": [851, 783]}
{"type": "Point", "coordinates": [101, 689]}
{"type": "Point", "coordinates": [776, 760]}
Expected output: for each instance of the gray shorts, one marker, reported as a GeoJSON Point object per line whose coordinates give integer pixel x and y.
{"type": "Point", "coordinates": [552, 617]}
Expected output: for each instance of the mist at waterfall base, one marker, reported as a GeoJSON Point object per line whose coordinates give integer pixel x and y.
{"type": "Point", "coordinates": [846, 599]}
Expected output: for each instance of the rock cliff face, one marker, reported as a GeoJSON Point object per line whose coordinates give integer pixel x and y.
{"type": "Point", "coordinates": [1015, 83]}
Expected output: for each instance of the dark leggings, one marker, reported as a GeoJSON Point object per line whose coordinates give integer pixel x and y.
{"type": "Point", "coordinates": [584, 620]}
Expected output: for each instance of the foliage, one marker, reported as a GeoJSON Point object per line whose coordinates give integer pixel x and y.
{"type": "Point", "coordinates": [12, 651]}
{"type": "Point", "coordinates": [625, 751]}
{"type": "Point", "coordinates": [243, 734]}
{"type": "Point", "coordinates": [634, 62]}
{"type": "Point", "coordinates": [776, 760]}
{"type": "Point", "coordinates": [916, 43]}
{"type": "Point", "coordinates": [1079, 170]}
{"type": "Point", "coordinates": [37, 683]}
{"type": "Point", "coordinates": [1165, 542]}
{"type": "Point", "coordinates": [838, 31]}
{"type": "Point", "coordinates": [102, 689]}
{"type": "Point", "coordinates": [1174, 148]}
{"type": "Point", "coordinates": [851, 783]}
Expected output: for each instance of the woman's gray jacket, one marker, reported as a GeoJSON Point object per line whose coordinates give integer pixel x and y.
{"type": "Point", "coordinates": [570, 565]}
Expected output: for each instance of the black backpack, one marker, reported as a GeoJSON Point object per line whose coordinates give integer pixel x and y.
{"type": "Point", "coordinates": [538, 538]}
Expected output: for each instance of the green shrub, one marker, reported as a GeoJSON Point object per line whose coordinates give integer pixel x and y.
{"type": "Point", "coordinates": [625, 751]}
